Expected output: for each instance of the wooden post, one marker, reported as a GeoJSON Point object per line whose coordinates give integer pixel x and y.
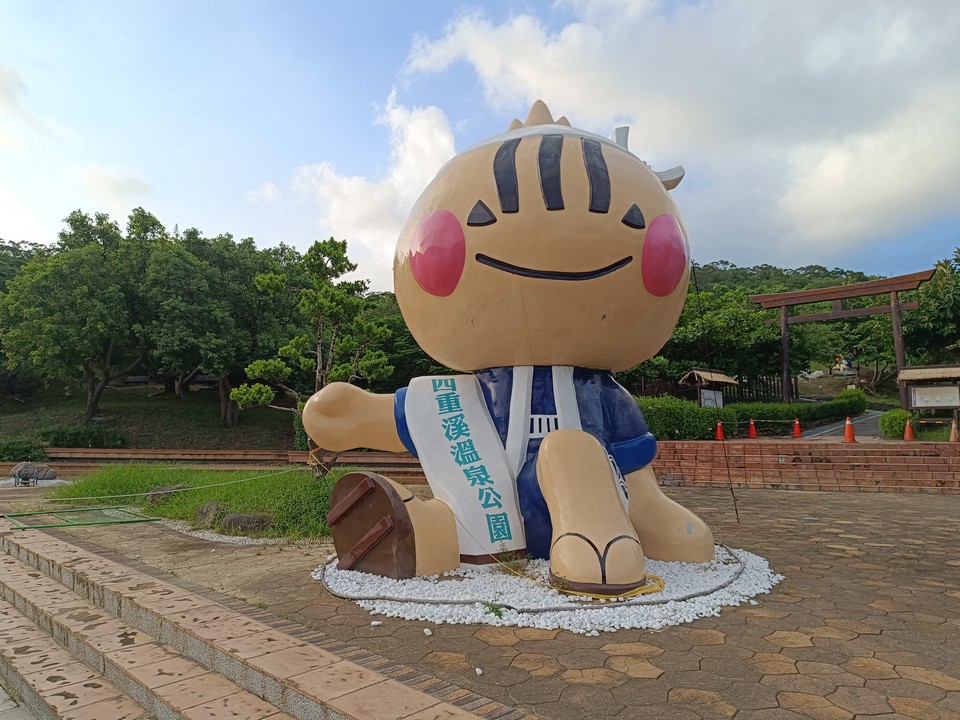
{"type": "Point", "coordinates": [898, 350]}
{"type": "Point", "coordinates": [785, 353]}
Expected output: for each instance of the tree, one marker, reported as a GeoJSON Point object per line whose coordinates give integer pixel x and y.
{"type": "Point", "coordinates": [341, 333]}
{"type": "Point", "coordinates": [65, 315]}
{"type": "Point", "coordinates": [13, 255]}
{"type": "Point", "coordinates": [932, 331]}
{"type": "Point", "coordinates": [189, 328]}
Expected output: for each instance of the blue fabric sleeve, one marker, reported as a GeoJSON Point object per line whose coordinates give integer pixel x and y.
{"type": "Point", "coordinates": [400, 415]}
{"type": "Point", "coordinates": [631, 455]}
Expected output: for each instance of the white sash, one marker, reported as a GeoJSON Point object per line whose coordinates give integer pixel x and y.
{"type": "Point", "coordinates": [465, 462]}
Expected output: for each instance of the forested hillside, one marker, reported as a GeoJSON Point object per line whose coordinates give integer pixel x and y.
{"type": "Point", "coordinates": [271, 325]}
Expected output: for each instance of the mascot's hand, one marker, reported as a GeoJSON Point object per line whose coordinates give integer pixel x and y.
{"type": "Point", "coordinates": [343, 417]}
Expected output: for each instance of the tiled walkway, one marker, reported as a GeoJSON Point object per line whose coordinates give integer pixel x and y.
{"type": "Point", "coordinates": [867, 622]}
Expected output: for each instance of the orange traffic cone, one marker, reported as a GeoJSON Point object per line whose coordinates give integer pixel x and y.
{"type": "Point", "coordinates": [796, 428]}
{"type": "Point", "coordinates": [848, 436]}
{"type": "Point", "coordinates": [908, 432]}
{"type": "Point", "coordinates": [752, 430]}
{"type": "Point", "coordinates": [954, 437]}
{"type": "Point", "coordinates": [719, 435]}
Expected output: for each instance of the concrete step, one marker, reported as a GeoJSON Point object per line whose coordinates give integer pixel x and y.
{"type": "Point", "coordinates": [160, 625]}
{"type": "Point", "coordinates": [131, 663]}
{"type": "Point", "coordinates": [50, 680]}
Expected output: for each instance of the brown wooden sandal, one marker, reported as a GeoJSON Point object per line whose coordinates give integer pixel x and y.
{"type": "Point", "coordinates": [371, 527]}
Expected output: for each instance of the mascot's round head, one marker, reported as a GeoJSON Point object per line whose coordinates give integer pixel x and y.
{"type": "Point", "coordinates": [544, 246]}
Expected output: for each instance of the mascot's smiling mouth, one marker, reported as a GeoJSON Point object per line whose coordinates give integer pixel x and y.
{"type": "Point", "coordinates": [552, 274]}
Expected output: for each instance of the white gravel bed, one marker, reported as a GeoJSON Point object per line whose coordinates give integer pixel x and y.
{"type": "Point", "coordinates": [182, 526]}
{"type": "Point", "coordinates": [10, 482]}
{"type": "Point", "coordinates": [488, 595]}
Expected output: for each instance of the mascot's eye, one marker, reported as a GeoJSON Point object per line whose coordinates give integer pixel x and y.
{"type": "Point", "coordinates": [634, 218]}
{"type": "Point", "coordinates": [480, 216]}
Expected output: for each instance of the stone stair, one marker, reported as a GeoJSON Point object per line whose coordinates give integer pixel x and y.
{"type": "Point", "coordinates": [82, 636]}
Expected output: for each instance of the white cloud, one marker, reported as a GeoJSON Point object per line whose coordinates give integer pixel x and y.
{"type": "Point", "coordinates": [268, 194]}
{"type": "Point", "coordinates": [15, 115]}
{"type": "Point", "coordinates": [369, 213]}
{"type": "Point", "coordinates": [806, 128]}
{"type": "Point", "coordinates": [116, 190]}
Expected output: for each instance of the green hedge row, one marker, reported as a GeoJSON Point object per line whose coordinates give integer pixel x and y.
{"type": "Point", "coordinates": [21, 451]}
{"type": "Point", "coordinates": [83, 436]}
{"type": "Point", "coordinates": [671, 418]}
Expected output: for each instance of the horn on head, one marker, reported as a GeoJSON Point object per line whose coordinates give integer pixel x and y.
{"type": "Point", "coordinates": [670, 178]}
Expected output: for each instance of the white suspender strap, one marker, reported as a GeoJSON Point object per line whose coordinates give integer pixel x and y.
{"type": "Point", "coordinates": [518, 425]}
{"type": "Point", "coordinates": [565, 397]}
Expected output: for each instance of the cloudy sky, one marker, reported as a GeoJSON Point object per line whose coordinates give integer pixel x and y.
{"type": "Point", "coordinates": [814, 132]}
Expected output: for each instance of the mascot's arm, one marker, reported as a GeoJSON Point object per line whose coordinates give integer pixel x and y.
{"type": "Point", "coordinates": [343, 417]}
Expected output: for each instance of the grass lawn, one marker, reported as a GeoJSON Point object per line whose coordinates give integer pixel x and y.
{"type": "Point", "coordinates": [296, 501]}
{"type": "Point", "coordinates": [162, 421]}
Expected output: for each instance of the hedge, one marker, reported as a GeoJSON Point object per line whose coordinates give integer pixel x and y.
{"type": "Point", "coordinates": [21, 451]}
{"type": "Point", "coordinates": [671, 418]}
{"type": "Point", "coordinates": [894, 422]}
{"type": "Point", "coordinates": [83, 436]}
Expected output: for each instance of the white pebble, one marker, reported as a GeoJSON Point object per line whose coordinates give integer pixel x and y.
{"type": "Point", "coordinates": [483, 595]}
{"type": "Point", "coordinates": [376, 622]}
{"type": "Point", "coordinates": [479, 671]}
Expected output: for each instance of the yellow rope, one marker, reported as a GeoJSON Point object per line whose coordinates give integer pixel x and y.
{"type": "Point", "coordinates": [655, 585]}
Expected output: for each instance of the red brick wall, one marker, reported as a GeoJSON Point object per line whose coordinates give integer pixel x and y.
{"type": "Point", "coordinates": [811, 465]}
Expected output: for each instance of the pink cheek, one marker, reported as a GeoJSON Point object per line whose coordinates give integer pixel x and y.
{"type": "Point", "coordinates": [664, 256]}
{"type": "Point", "coordinates": [438, 252]}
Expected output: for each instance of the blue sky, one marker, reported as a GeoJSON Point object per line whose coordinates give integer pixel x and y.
{"type": "Point", "coordinates": [812, 133]}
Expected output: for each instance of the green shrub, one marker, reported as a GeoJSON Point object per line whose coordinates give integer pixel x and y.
{"type": "Point", "coordinates": [671, 418]}
{"type": "Point", "coordinates": [894, 422]}
{"type": "Point", "coordinates": [83, 436]}
{"type": "Point", "coordinates": [855, 400]}
{"type": "Point", "coordinates": [300, 440]}
{"type": "Point", "coordinates": [21, 451]}
{"type": "Point", "coordinates": [847, 404]}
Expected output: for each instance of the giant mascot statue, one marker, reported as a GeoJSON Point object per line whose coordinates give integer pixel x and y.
{"type": "Point", "coordinates": [537, 263]}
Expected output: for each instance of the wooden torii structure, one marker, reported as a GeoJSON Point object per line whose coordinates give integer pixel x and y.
{"type": "Point", "coordinates": [837, 294]}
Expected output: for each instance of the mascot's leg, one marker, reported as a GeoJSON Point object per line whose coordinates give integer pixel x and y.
{"type": "Point", "coordinates": [667, 530]}
{"type": "Point", "coordinates": [594, 548]}
{"type": "Point", "coordinates": [380, 527]}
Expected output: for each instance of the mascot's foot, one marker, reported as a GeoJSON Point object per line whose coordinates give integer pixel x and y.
{"type": "Point", "coordinates": [595, 549]}
{"type": "Point", "coordinates": [668, 531]}
{"type": "Point", "coordinates": [578, 565]}
{"type": "Point", "coordinates": [371, 527]}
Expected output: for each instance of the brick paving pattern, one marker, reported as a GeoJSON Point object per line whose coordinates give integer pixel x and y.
{"type": "Point", "coordinates": [866, 624]}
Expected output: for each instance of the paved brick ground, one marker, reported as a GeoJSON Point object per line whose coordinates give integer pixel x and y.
{"type": "Point", "coordinates": [867, 623]}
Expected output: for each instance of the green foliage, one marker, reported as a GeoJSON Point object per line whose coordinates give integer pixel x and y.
{"type": "Point", "coordinates": [83, 436]}
{"type": "Point", "coordinates": [933, 329]}
{"type": "Point", "coordinates": [856, 401]}
{"type": "Point", "coordinates": [493, 608]}
{"type": "Point", "coordinates": [671, 418]}
{"type": "Point", "coordinates": [274, 370]}
{"type": "Point", "coordinates": [341, 330]}
{"type": "Point", "coordinates": [847, 404]}
{"type": "Point", "coordinates": [296, 501]}
{"type": "Point", "coordinates": [149, 420]}
{"type": "Point", "coordinates": [894, 422]}
{"type": "Point", "coordinates": [251, 396]}
{"type": "Point", "coordinates": [21, 451]}
{"type": "Point", "coordinates": [300, 439]}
